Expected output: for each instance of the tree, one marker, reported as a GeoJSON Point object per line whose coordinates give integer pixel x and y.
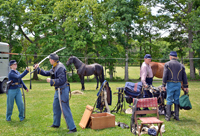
{"type": "Point", "coordinates": [179, 13]}
{"type": "Point", "coordinates": [126, 12]}
{"type": "Point", "coordinates": [10, 15]}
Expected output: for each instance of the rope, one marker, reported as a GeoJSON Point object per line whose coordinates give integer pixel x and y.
{"type": "Point", "coordinates": [108, 58]}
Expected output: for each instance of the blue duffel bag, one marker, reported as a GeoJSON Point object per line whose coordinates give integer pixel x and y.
{"type": "Point", "coordinates": [133, 90]}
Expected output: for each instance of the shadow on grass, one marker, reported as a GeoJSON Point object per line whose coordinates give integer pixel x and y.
{"type": "Point", "coordinates": [17, 123]}
{"type": "Point", "coordinates": [186, 122]}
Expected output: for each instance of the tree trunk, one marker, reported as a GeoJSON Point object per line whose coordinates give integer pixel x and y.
{"type": "Point", "coordinates": [191, 55]}
{"type": "Point", "coordinates": [140, 55]}
{"type": "Point", "coordinates": [126, 67]}
{"type": "Point", "coordinates": [111, 70]}
{"type": "Point", "coordinates": [35, 75]}
{"type": "Point", "coordinates": [86, 62]}
{"type": "Point", "coordinates": [111, 73]}
{"type": "Point", "coordinates": [199, 71]}
{"type": "Point", "coordinates": [105, 71]}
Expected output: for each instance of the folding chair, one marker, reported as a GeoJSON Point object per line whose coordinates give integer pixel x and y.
{"type": "Point", "coordinates": [148, 102]}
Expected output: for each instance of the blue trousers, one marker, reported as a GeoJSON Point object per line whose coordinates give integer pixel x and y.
{"type": "Point", "coordinates": [66, 109]}
{"type": "Point", "coordinates": [173, 92]}
{"type": "Point", "coordinates": [147, 93]}
{"type": "Point", "coordinates": [14, 94]}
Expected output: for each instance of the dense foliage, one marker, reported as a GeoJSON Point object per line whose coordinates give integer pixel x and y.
{"type": "Point", "coordinates": [102, 31]}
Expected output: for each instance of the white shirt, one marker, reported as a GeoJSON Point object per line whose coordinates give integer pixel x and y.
{"type": "Point", "coordinates": [145, 72]}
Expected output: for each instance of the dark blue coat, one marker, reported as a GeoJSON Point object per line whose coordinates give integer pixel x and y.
{"type": "Point", "coordinates": [174, 72]}
{"type": "Point", "coordinates": [15, 76]}
{"type": "Point", "coordinates": [59, 73]}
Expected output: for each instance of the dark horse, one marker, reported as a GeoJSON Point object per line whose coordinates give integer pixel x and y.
{"type": "Point", "coordinates": [87, 70]}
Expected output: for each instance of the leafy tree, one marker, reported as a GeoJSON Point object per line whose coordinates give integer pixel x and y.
{"type": "Point", "coordinates": [9, 16]}
{"type": "Point", "coordinates": [126, 12]}
{"type": "Point", "coordinates": [179, 14]}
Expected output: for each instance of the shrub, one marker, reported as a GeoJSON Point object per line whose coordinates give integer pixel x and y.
{"type": "Point", "coordinates": [73, 78]}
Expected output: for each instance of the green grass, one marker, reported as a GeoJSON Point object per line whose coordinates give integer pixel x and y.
{"type": "Point", "coordinates": [39, 111]}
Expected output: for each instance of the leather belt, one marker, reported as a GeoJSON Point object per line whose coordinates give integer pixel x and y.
{"type": "Point", "coordinates": [16, 83]}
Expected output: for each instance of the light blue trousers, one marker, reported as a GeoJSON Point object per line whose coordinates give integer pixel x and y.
{"type": "Point", "coordinates": [14, 94]}
{"type": "Point", "coordinates": [65, 107]}
{"type": "Point", "coordinates": [173, 92]}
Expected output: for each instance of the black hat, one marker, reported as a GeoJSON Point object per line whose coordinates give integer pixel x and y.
{"type": "Point", "coordinates": [12, 62]}
{"type": "Point", "coordinates": [53, 56]}
{"type": "Point", "coordinates": [147, 56]}
{"type": "Point", "coordinates": [173, 53]}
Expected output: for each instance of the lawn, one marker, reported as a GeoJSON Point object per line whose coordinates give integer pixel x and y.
{"type": "Point", "coordinates": [39, 112]}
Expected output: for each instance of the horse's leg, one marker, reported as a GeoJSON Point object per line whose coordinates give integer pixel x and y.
{"type": "Point", "coordinates": [82, 83]}
{"type": "Point", "coordinates": [97, 81]}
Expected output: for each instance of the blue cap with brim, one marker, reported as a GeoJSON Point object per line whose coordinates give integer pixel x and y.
{"type": "Point", "coordinates": [147, 56]}
{"type": "Point", "coordinates": [53, 56]}
{"type": "Point", "coordinates": [152, 132]}
{"type": "Point", "coordinates": [173, 53]}
{"type": "Point", "coordinates": [12, 62]}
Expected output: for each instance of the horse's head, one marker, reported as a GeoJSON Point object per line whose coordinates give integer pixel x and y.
{"type": "Point", "coordinates": [70, 61]}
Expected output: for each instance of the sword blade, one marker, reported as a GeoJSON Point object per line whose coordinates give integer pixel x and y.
{"type": "Point", "coordinates": [49, 55]}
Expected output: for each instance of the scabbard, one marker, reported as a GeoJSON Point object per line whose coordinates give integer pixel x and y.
{"type": "Point", "coordinates": [23, 94]}
{"type": "Point", "coordinates": [60, 102]}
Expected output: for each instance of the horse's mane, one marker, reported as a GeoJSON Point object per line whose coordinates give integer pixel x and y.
{"type": "Point", "coordinates": [77, 60]}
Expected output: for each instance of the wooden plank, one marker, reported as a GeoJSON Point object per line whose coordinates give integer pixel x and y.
{"type": "Point", "coordinates": [86, 116]}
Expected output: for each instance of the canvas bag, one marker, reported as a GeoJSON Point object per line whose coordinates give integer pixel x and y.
{"type": "Point", "coordinates": [185, 102]}
{"type": "Point", "coordinates": [133, 89]}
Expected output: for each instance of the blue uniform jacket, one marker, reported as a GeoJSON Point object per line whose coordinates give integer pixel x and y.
{"type": "Point", "coordinates": [174, 72]}
{"type": "Point", "coordinates": [59, 72]}
{"type": "Point", "coordinates": [15, 76]}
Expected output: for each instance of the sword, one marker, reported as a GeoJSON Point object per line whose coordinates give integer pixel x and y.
{"type": "Point", "coordinates": [43, 61]}
{"type": "Point", "coordinates": [61, 105]}
{"type": "Point", "coordinates": [47, 58]}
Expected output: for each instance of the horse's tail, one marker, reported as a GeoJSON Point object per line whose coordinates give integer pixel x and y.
{"type": "Point", "coordinates": [102, 75]}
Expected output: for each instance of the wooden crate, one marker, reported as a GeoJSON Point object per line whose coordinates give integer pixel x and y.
{"type": "Point", "coordinates": [102, 120]}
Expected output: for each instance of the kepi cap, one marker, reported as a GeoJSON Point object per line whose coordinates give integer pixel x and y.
{"type": "Point", "coordinates": [147, 56]}
{"type": "Point", "coordinates": [12, 62]}
{"type": "Point", "coordinates": [173, 53]}
{"type": "Point", "coordinates": [53, 56]}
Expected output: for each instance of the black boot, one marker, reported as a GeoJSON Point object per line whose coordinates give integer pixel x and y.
{"type": "Point", "coordinates": [72, 131]}
{"type": "Point", "coordinates": [168, 113]}
{"type": "Point", "coordinates": [54, 126]}
{"type": "Point", "coordinates": [176, 117]}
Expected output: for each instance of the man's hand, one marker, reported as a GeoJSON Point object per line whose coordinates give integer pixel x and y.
{"type": "Point", "coordinates": [48, 80]}
{"type": "Point", "coordinates": [36, 66]}
{"type": "Point", "coordinates": [27, 90]}
{"type": "Point", "coordinates": [163, 88]}
{"type": "Point", "coordinates": [27, 68]}
{"type": "Point", "coordinates": [186, 90]}
{"type": "Point", "coordinates": [145, 86]}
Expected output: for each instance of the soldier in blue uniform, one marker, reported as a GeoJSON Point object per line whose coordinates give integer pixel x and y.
{"type": "Point", "coordinates": [59, 80]}
{"type": "Point", "coordinates": [173, 75]}
{"type": "Point", "coordinates": [14, 92]}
